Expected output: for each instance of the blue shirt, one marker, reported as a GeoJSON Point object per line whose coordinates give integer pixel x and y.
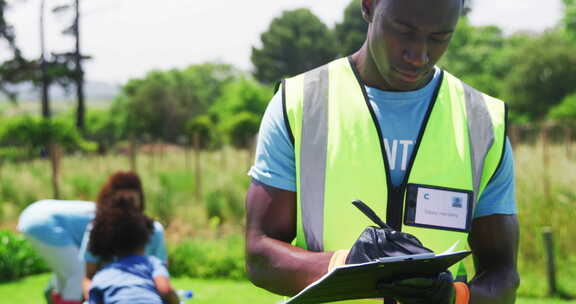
{"type": "Point", "coordinates": [400, 116]}
{"type": "Point", "coordinates": [55, 222]}
{"type": "Point", "coordinates": [128, 280]}
{"type": "Point", "coordinates": [154, 247]}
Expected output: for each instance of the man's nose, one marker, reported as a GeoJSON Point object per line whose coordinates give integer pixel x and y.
{"type": "Point", "coordinates": [416, 53]}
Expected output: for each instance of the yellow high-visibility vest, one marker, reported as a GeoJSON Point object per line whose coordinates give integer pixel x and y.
{"type": "Point", "coordinates": [340, 157]}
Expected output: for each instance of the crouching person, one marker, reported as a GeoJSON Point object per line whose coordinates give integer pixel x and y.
{"type": "Point", "coordinates": [55, 229]}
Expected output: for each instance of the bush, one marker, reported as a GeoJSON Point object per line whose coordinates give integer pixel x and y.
{"type": "Point", "coordinates": [34, 134]}
{"type": "Point", "coordinates": [206, 130]}
{"type": "Point", "coordinates": [242, 129]}
{"type": "Point", "coordinates": [208, 259]}
{"type": "Point", "coordinates": [17, 258]}
{"type": "Point", "coordinates": [224, 205]}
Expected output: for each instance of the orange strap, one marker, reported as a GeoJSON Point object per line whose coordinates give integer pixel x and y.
{"type": "Point", "coordinates": [462, 293]}
{"type": "Point", "coordinates": [338, 258]}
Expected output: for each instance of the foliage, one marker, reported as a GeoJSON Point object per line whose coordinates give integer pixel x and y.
{"type": "Point", "coordinates": [223, 204]}
{"type": "Point", "coordinates": [17, 259]}
{"type": "Point", "coordinates": [105, 126]}
{"type": "Point", "coordinates": [467, 7]}
{"type": "Point", "coordinates": [203, 127]}
{"type": "Point", "coordinates": [476, 56]}
{"type": "Point", "coordinates": [241, 95]}
{"type": "Point", "coordinates": [242, 129]}
{"type": "Point", "coordinates": [11, 70]}
{"type": "Point", "coordinates": [225, 183]}
{"type": "Point", "coordinates": [170, 189]}
{"type": "Point", "coordinates": [242, 104]}
{"type": "Point", "coordinates": [34, 134]}
{"type": "Point", "coordinates": [543, 74]}
{"type": "Point", "coordinates": [160, 104]}
{"type": "Point", "coordinates": [295, 42]}
{"type": "Point", "coordinates": [565, 111]}
{"type": "Point", "coordinates": [570, 18]}
{"type": "Point", "coordinates": [351, 32]}
{"type": "Point", "coordinates": [17, 69]}
{"type": "Point", "coordinates": [209, 258]}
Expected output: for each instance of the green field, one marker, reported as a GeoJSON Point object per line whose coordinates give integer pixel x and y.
{"type": "Point", "coordinates": [216, 215]}
{"type": "Point", "coordinates": [29, 291]}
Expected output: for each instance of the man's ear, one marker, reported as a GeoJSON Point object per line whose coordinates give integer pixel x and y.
{"type": "Point", "coordinates": [368, 9]}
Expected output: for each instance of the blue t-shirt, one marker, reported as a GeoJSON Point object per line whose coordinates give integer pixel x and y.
{"type": "Point", "coordinates": [55, 222]}
{"type": "Point", "coordinates": [154, 247]}
{"type": "Point", "coordinates": [400, 115]}
{"type": "Point", "coordinates": [128, 280]}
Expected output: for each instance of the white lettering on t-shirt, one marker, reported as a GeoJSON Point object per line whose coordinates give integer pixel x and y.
{"type": "Point", "coordinates": [405, 144]}
{"type": "Point", "coordinates": [392, 152]}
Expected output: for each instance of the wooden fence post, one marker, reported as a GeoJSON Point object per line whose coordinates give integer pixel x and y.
{"type": "Point", "coordinates": [132, 154]}
{"type": "Point", "coordinates": [551, 265]}
{"type": "Point", "coordinates": [198, 169]}
{"type": "Point", "coordinates": [187, 149]}
{"type": "Point", "coordinates": [568, 141]}
{"type": "Point", "coordinates": [514, 134]}
{"type": "Point", "coordinates": [55, 157]}
{"type": "Point", "coordinates": [545, 160]}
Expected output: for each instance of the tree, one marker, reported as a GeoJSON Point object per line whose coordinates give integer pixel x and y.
{"type": "Point", "coordinates": [543, 73]}
{"type": "Point", "coordinates": [242, 129]}
{"type": "Point", "coordinates": [467, 7]}
{"type": "Point", "coordinates": [16, 68]}
{"type": "Point", "coordinates": [202, 131]}
{"type": "Point", "coordinates": [565, 111]}
{"type": "Point", "coordinates": [75, 58]}
{"type": "Point", "coordinates": [35, 134]}
{"type": "Point", "coordinates": [295, 42]}
{"type": "Point", "coordinates": [570, 17]}
{"type": "Point", "coordinates": [241, 95]}
{"type": "Point", "coordinates": [351, 32]}
{"type": "Point", "coordinates": [478, 56]}
{"type": "Point", "coordinates": [161, 103]}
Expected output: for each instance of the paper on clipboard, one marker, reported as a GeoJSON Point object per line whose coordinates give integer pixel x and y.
{"type": "Point", "coordinates": [358, 281]}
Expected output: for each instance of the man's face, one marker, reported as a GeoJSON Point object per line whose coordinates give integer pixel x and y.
{"type": "Point", "coordinates": [407, 37]}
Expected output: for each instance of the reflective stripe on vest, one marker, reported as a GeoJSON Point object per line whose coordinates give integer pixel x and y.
{"type": "Point", "coordinates": [340, 157]}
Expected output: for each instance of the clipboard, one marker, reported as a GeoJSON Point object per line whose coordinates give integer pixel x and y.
{"type": "Point", "coordinates": [358, 281]}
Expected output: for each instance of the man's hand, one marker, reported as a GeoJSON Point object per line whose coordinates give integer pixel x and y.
{"type": "Point", "coordinates": [434, 290]}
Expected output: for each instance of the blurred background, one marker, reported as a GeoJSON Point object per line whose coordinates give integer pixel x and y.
{"type": "Point", "coordinates": [175, 91]}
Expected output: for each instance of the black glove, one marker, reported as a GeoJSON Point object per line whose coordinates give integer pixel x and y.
{"type": "Point", "coordinates": [424, 290]}
{"type": "Point", "coordinates": [375, 243]}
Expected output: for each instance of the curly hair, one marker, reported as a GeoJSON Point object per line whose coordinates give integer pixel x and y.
{"type": "Point", "coordinates": [116, 233]}
{"type": "Point", "coordinates": [118, 192]}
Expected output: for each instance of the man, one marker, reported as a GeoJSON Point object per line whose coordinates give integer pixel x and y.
{"type": "Point", "coordinates": [387, 127]}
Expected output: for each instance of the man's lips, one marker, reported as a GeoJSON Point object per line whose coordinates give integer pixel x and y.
{"type": "Point", "coordinates": [409, 76]}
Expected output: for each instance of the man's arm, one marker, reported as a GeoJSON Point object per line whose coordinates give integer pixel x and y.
{"type": "Point", "coordinates": [494, 243]}
{"type": "Point", "coordinates": [272, 262]}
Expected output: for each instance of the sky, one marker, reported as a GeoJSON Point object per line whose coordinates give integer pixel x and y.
{"type": "Point", "coordinates": [128, 38]}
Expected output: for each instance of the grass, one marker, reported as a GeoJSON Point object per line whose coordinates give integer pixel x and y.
{"type": "Point", "coordinates": [217, 212]}
{"type": "Point", "coordinates": [29, 291]}
{"type": "Point", "coordinates": [169, 181]}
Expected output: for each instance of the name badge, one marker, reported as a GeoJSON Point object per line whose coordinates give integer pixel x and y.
{"type": "Point", "coordinates": [438, 208]}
